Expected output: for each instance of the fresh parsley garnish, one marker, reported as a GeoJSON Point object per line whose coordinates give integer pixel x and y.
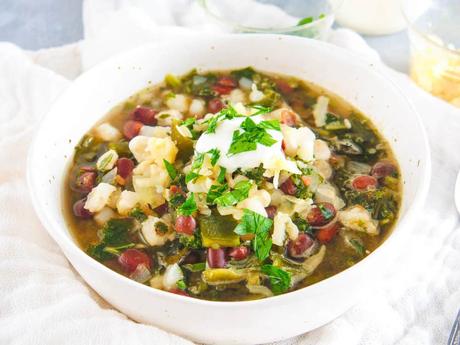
{"type": "Point", "coordinates": [239, 193]}
{"type": "Point", "coordinates": [270, 124]}
{"type": "Point", "coordinates": [221, 176]}
{"type": "Point", "coordinates": [196, 166]}
{"type": "Point", "coordinates": [198, 267]}
{"type": "Point", "coordinates": [198, 163]}
{"type": "Point", "coordinates": [261, 109]}
{"type": "Point", "coordinates": [170, 169]}
{"type": "Point", "coordinates": [215, 192]}
{"type": "Point", "coordinates": [226, 113]}
{"type": "Point", "coordinates": [280, 280]}
{"type": "Point", "coordinates": [254, 223]}
{"type": "Point", "coordinates": [215, 155]}
{"type": "Point", "coordinates": [181, 284]}
{"type": "Point", "coordinates": [255, 174]}
{"type": "Point", "coordinates": [249, 137]}
{"type": "Point", "coordinates": [189, 122]}
{"type": "Point", "coordinates": [191, 241]}
{"type": "Point", "coordinates": [188, 207]}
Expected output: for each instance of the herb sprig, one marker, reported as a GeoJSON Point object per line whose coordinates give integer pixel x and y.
{"type": "Point", "coordinates": [259, 226]}
{"type": "Point", "coordinates": [251, 135]}
{"type": "Point", "coordinates": [280, 280]}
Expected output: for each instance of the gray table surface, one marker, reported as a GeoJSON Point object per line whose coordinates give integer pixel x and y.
{"type": "Point", "coordinates": [36, 24]}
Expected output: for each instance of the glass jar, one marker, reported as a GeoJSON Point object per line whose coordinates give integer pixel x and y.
{"type": "Point", "coordinates": [307, 18]}
{"type": "Point", "coordinates": [434, 34]}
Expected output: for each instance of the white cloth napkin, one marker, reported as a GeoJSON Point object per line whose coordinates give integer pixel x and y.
{"type": "Point", "coordinates": [44, 301]}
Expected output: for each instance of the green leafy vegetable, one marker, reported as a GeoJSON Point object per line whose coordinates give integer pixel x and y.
{"type": "Point", "coordinates": [188, 122]}
{"type": "Point", "coordinates": [138, 214]}
{"type": "Point", "coordinates": [247, 140]}
{"type": "Point", "coordinates": [302, 191]}
{"type": "Point", "coordinates": [270, 124]}
{"type": "Point", "coordinates": [226, 113]}
{"type": "Point", "coordinates": [358, 246]}
{"type": "Point", "coordinates": [280, 280]}
{"type": "Point", "coordinates": [254, 223]}
{"type": "Point", "coordinates": [302, 224]}
{"type": "Point", "coordinates": [191, 241]}
{"type": "Point", "coordinates": [215, 155]}
{"type": "Point", "coordinates": [261, 109]}
{"type": "Point", "coordinates": [170, 169]}
{"type": "Point", "coordinates": [247, 72]}
{"type": "Point", "coordinates": [306, 20]}
{"type": "Point", "coordinates": [172, 81]}
{"type": "Point", "coordinates": [215, 192]}
{"type": "Point", "coordinates": [87, 148]}
{"type": "Point", "coordinates": [181, 284]}
{"type": "Point", "coordinates": [196, 166]}
{"type": "Point", "coordinates": [188, 207]}
{"type": "Point", "coordinates": [176, 200]}
{"type": "Point", "coordinates": [115, 237]}
{"type": "Point", "coordinates": [198, 267]}
{"type": "Point", "coordinates": [239, 193]}
{"type": "Point", "coordinates": [221, 176]}
{"type": "Point", "coordinates": [121, 147]}
{"type": "Point", "coordinates": [255, 174]}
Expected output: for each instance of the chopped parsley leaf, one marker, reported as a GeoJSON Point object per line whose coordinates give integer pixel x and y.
{"type": "Point", "coordinates": [226, 113]}
{"type": "Point", "coordinates": [188, 207]}
{"type": "Point", "coordinates": [280, 280]}
{"type": "Point", "coordinates": [254, 223]}
{"type": "Point", "coordinates": [115, 237]}
{"type": "Point", "coordinates": [215, 192]}
{"type": "Point", "coordinates": [221, 176]}
{"type": "Point", "coordinates": [239, 193]}
{"type": "Point", "coordinates": [270, 124]}
{"type": "Point", "coordinates": [196, 166]}
{"type": "Point", "coordinates": [188, 122]}
{"type": "Point", "coordinates": [170, 169]}
{"type": "Point", "coordinates": [198, 163]}
{"type": "Point", "coordinates": [261, 109]}
{"type": "Point", "coordinates": [215, 155]}
{"type": "Point", "coordinates": [181, 284]}
{"type": "Point", "coordinates": [247, 140]}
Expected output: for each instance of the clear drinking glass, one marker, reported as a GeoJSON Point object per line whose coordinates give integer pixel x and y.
{"type": "Point", "coordinates": [307, 18]}
{"type": "Point", "coordinates": [434, 34]}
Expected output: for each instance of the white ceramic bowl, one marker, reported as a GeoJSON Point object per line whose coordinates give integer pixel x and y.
{"type": "Point", "coordinates": [275, 318]}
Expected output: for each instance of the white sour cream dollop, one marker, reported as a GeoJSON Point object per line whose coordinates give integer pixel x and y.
{"type": "Point", "coordinates": [222, 140]}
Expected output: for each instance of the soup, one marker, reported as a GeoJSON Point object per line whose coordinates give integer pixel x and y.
{"type": "Point", "coordinates": [232, 185]}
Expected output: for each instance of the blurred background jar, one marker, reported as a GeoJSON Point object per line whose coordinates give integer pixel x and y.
{"type": "Point", "coordinates": [306, 18]}
{"type": "Point", "coordinates": [371, 17]}
{"type": "Point", "coordinates": [434, 34]}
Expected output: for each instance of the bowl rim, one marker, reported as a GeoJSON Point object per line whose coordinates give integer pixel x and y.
{"type": "Point", "coordinates": [67, 243]}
